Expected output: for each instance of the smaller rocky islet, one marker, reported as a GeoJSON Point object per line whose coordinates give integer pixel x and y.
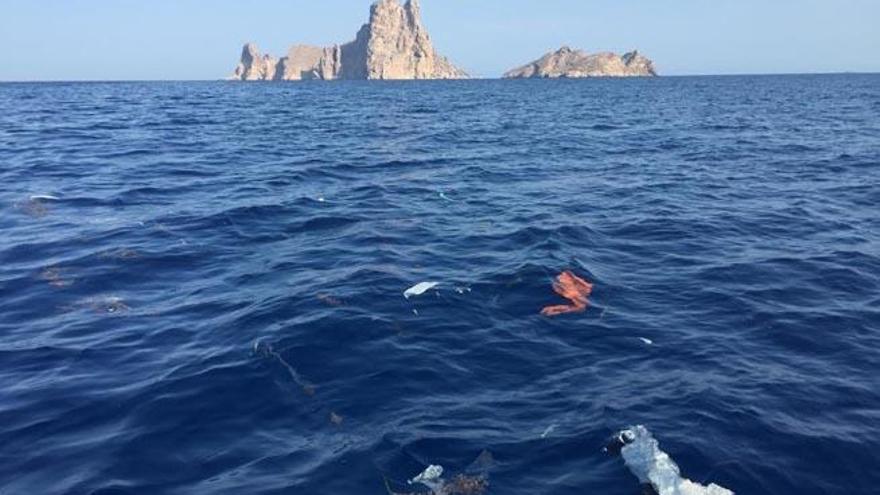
{"type": "Point", "coordinates": [569, 63]}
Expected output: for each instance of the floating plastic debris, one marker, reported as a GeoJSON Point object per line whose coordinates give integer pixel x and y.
{"type": "Point", "coordinates": [44, 197]}
{"type": "Point", "coordinates": [55, 277]}
{"type": "Point", "coordinates": [646, 341]}
{"type": "Point", "coordinates": [550, 429]}
{"type": "Point", "coordinates": [463, 290]}
{"type": "Point", "coordinates": [573, 288]}
{"type": "Point", "coordinates": [330, 300]}
{"type": "Point", "coordinates": [419, 289]}
{"type": "Point", "coordinates": [106, 305]}
{"type": "Point", "coordinates": [266, 350]}
{"type": "Point", "coordinates": [430, 477]}
{"type": "Point", "coordinates": [642, 455]}
{"type": "Point", "coordinates": [466, 485]}
{"type": "Point", "coordinates": [33, 208]}
{"type": "Point", "coordinates": [444, 196]}
{"type": "Point", "coordinates": [112, 305]}
{"type": "Point", "coordinates": [336, 419]}
{"type": "Point", "coordinates": [473, 481]}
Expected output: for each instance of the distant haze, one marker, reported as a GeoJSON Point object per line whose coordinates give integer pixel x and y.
{"type": "Point", "coordinates": [202, 39]}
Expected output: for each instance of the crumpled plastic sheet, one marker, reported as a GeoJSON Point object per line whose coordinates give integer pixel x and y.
{"type": "Point", "coordinates": [573, 288]}
{"type": "Point", "coordinates": [642, 455]}
{"type": "Point", "coordinates": [419, 289]}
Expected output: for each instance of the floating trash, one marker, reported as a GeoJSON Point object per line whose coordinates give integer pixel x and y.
{"type": "Point", "coordinates": [33, 207]}
{"type": "Point", "coordinates": [474, 481]}
{"type": "Point", "coordinates": [330, 300]}
{"type": "Point", "coordinates": [111, 305]}
{"type": "Point", "coordinates": [550, 429]}
{"type": "Point", "coordinates": [266, 350]}
{"type": "Point", "coordinates": [103, 305]}
{"type": "Point", "coordinates": [653, 467]}
{"type": "Point", "coordinates": [419, 289]}
{"type": "Point", "coordinates": [466, 485]}
{"type": "Point", "coordinates": [44, 197]}
{"type": "Point", "coordinates": [646, 341]}
{"type": "Point", "coordinates": [430, 477]}
{"type": "Point", "coordinates": [573, 288]}
{"type": "Point", "coordinates": [336, 419]}
{"type": "Point", "coordinates": [54, 275]}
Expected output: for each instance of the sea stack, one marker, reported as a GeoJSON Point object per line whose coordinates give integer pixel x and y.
{"type": "Point", "coordinates": [255, 67]}
{"type": "Point", "coordinates": [569, 63]}
{"type": "Point", "coordinates": [394, 44]}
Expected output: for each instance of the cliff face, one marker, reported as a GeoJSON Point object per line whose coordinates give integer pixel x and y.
{"type": "Point", "coordinates": [577, 63]}
{"type": "Point", "coordinates": [393, 45]}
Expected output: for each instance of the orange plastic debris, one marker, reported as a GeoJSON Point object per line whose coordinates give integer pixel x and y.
{"type": "Point", "coordinates": [573, 288]}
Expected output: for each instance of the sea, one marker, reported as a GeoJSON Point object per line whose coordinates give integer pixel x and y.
{"type": "Point", "coordinates": [202, 285]}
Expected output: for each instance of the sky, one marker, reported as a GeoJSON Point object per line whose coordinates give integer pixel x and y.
{"type": "Point", "coordinates": [202, 39]}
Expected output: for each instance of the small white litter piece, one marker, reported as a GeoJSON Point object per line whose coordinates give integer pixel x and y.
{"type": "Point", "coordinates": [646, 341]}
{"type": "Point", "coordinates": [419, 289]}
{"type": "Point", "coordinates": [550, 429]}
{"type": "Point", "coordinates": [44, 197]}
{"type": "Point", "coordinates": [463, 290]}
{"type": "Point", "coordinates": [444, 196]}
{"type": "Point", "coordinates": [654, 467]}
{"type": "Point", "coordinates": [432, 477]}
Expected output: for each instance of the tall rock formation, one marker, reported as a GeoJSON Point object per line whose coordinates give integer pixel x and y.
{"type": "Point", "coordinates": [566, 62]}
{"type": "Point", "coordinates": [253, 66]}
{"type": "Point", "coordinates": [393, 45]}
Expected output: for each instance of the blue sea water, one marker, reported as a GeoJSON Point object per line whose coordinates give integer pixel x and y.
{"type": "Point", "coordinates": [201, 284]}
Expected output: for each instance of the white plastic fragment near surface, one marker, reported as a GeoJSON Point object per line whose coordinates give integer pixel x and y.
{"type": "Point", "coordinates": [646, 341]}
{"type": "Point", "coordinates": [419, 289]}
{"type": "Point", "coordinates": [652, 466]}
{"type": "Point", "coordinates": [431, 478]}
{"type": "Point", "coordinates": [45, 197]}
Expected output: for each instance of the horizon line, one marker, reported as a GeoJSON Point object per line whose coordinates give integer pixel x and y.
{"type": "Point", "coordinates": [497, 78]}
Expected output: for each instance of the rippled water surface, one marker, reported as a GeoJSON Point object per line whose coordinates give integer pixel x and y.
{"type": "Point", "coordinates": [201, 284]}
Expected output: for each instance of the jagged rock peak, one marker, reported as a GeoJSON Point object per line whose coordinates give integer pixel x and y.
{"type": "Point", "coordinates": [394, 44]}
{"type": "Point", "coordinates": [254, 66]}
{"type": "Point", "coordinates": [567, 62]}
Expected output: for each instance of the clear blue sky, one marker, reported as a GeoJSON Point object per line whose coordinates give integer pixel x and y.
{"type": "Point", "coordinates": [201, 39]}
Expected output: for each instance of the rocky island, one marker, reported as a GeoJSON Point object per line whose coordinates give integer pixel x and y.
{"type": "Point", "coordinates": [570, 63]}
{"type": "Point", "coordinates": [394, 44]}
